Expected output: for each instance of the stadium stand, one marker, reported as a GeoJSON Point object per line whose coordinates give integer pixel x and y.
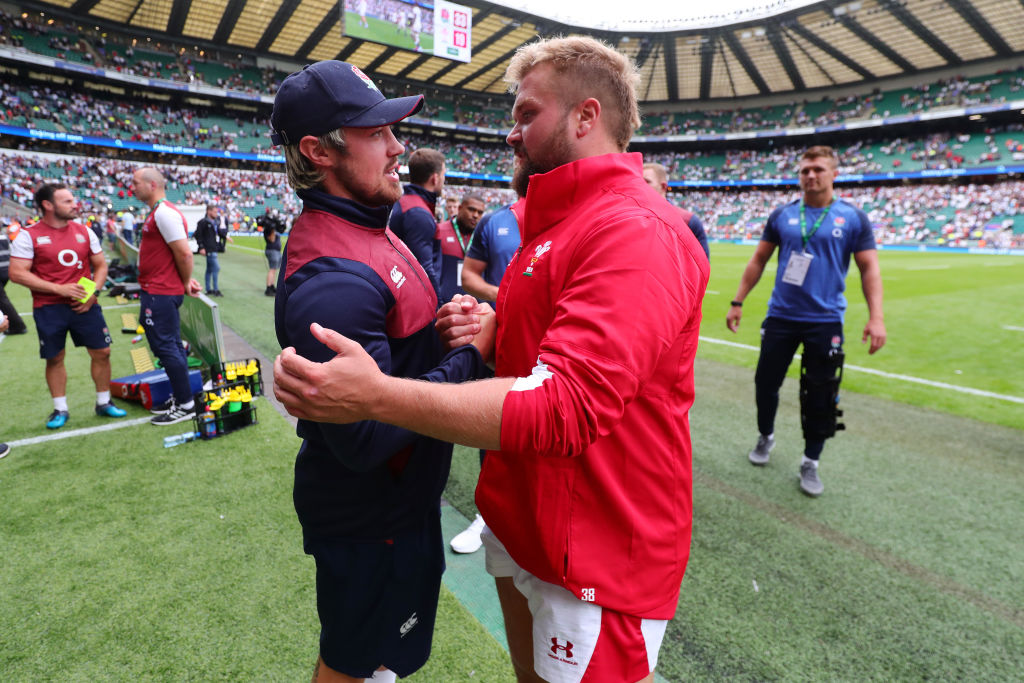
{"type": "Point", "coordinates": [470, 129]}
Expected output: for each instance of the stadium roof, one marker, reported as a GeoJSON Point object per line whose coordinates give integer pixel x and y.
{"type": "Point", "coordinates": [821, 45]}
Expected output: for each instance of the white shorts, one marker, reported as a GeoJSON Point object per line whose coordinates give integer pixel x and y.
{"type": "Point", "coordinates": [568, 633]}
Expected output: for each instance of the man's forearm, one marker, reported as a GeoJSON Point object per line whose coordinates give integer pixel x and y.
{"type": "Point", "coordinates": [478, 287]}
{"type": "Point", "coordinates": [751, 276]}
{"type": "Point", "coordinates": [183, 263]}
{"type": "Point", "coordinates": [467, 413]}
{"type": "Point", "coordinates": [29, 279]}
{"type": "Point", "coordinates": [99, 275]}
{"type": "Point", "coordinates": [871, 284]}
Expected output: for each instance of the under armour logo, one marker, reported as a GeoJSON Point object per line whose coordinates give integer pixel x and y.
{"type": "Point", "coordinates": [397, 277]}
{"type": "Point", "coordinates": [556, 647]}
{"type": "Point", "coordinates": [409, 624]}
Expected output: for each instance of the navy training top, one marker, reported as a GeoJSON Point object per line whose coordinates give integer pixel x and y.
{"type": "Point", "coordinates": [344, 269]}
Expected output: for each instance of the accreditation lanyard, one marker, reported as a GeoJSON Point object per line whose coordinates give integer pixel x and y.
{"type": "Point", "coordinates": [804, 237]}
{"type": "Point", "coordinates": [161, 201]}
{"type": "Point", "coordinates": [458, 235]}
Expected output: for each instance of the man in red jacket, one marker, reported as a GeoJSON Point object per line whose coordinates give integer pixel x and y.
{"type": "Point", "coordinates": [587, 485]}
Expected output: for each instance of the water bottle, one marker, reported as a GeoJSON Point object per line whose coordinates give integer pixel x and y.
{"type": "Point", "coordinates": [209, 424]}
{"type": "Point", "coordinates": [178, 439]}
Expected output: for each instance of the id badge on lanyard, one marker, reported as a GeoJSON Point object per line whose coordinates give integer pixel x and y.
{"type": "Point", "coordinates": [800, 262]}
{"type": "Point", "coordinates": [796, 268]}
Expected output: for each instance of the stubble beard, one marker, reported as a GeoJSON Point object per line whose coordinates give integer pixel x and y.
{"type": "Point", "coordinates": [389, 193]}
{"type": "Point", "coordinates": [558, 153]}
{"type": "Point", "coordinates": [66, 215]}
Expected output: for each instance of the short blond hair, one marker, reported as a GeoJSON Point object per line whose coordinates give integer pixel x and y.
{"type": "Point", "coordinates": [302, 174]}
{"type": "Point", "coordinates": [821, 152]}
{"type": "Point", "coordinates": [588, 68]}
{"type": "Point", "coordinates": [660, 172]}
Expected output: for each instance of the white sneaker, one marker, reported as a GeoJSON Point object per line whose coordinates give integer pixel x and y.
{"type": "Point", "coordinates": [469, 540]}
{"type": "Point", "coordinates": [385, 676]}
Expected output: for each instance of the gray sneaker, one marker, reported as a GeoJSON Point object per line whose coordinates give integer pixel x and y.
{"type": "Point", "coordinates": [762, 451]}
{"type": "Point", "coordinates": [810, 483]}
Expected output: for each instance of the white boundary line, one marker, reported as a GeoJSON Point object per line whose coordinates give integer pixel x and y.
{"type": "Point", "coordinates": [242, 246]}
{"type": "Point", "coordinates": [889, 375]}
{"type": "Point", "coordinates": [120, 424]}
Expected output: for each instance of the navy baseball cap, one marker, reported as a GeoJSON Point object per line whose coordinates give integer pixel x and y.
{"type": "Point", "coordinates": [329, 95]}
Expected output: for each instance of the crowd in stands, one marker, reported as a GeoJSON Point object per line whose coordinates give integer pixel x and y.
{"type": "Point", "coordinates": [954, 215]}
{"type": "Point", "coordinates": [957, 91]}
{"type": "Point", "coordinates": [948, 214]}
{"type": "Point", "coordinates": [185, 63]}
{"type": "Point", "coordinates": [118, 53]}
{"type": "Point", "coordinates": [103, 186]}
{"type": "Point", "coordinates": [938, 151]}
{"type": "Point", "coordinates": [39, 106]}
{"type": "Point", "coordinates": [952, 92]}
{"type": "Point", "coordinates": [917, 213]}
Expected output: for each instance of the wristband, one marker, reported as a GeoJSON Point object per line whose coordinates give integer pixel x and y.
{"type": "Point", "coordinates": [736, 303]}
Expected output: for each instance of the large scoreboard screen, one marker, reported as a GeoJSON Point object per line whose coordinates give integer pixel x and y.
{"type": "Point", "coordinates": [439, 28]}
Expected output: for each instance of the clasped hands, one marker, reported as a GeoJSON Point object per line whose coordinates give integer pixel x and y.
{"type": "Point", "coordinates": [346, 388]}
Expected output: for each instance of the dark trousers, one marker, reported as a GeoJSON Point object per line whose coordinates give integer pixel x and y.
{"type": "Point", "coordinates": [17, 325]}
{"type": "Point", "coordinates": [779, 342]}
{"type": "Point", "coordinates": [160, 319]}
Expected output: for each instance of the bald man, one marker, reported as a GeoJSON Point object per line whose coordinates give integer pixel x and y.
{"type": "Point", "coordinates": [656, 176]}
{"type": "Point", "coordinates": [165, 274]}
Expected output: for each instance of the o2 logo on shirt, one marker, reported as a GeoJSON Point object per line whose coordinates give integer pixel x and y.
{"type": "Point", "coordinates": [69, 258]}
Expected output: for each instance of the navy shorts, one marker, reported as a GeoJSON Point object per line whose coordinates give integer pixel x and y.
{"type": "Point", "coordinates": [54, 321]}
{"type": "Point", "coordinates": [377, 600]}
{"type": "Point", "coordinates": [273, 259]}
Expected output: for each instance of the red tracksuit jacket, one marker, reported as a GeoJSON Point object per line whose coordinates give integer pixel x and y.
{"type": "Point", "coordinates": [598, 315]}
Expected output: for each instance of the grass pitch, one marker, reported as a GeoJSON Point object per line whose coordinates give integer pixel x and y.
{"type": "Point", "coordinates": [387, 32]}
{"type": "Point", "coordinates": [118, 563]}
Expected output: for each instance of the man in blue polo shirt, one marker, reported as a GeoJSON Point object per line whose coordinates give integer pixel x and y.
{"type": "Point", "coordinates": [495, 241]}
{"type": "Point", "coordinates": [816, 235]}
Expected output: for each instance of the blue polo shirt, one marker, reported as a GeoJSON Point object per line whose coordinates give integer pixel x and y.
{"type": "Point", "coordinates": [844, 231]}
{"type": "Point", "coordinates": [495, 241]}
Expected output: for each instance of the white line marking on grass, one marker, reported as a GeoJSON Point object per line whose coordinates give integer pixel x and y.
{"type": "Point", "coordinates": [80, 432]}
{"type": "Point", "coordinates": [711, 291]}
{"type": "Point", "coordinates": [1013, 328]}
{"type": "Point", "coordinates": [889, 375]}
{"type": "Point", "coordinates": [928, 267]}
{"type": "Point", "coordinates": [239, 246]}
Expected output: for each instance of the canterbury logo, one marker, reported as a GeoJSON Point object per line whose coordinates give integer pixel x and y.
{"type": "Point", "coordinates": [397, 277]}
{"type": "Point", "coordinates": [557, 647]}
{"type": "Point", "coordinates": [409, 624]}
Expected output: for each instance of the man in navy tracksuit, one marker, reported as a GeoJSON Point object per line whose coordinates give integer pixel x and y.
{"type": "Point", "coordinates": [412, 218]}
{"type": "Point", "coordinates": [367, 494]}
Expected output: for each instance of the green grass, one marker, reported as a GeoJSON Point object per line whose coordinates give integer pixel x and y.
{"type": "Point", "coordinates": [117, 563]}
{"type": "Point", "coordinates": [124, 560]}
{"type": "Point", "coordinates": [911, 566]}
{"type": "Point", "coordinates": [386, 32]}
{"type": "Point", "coordinates": [945, 316]}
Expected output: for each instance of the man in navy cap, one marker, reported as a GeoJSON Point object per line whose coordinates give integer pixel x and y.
{"type": "Point", "coordinates": [367, 494]}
